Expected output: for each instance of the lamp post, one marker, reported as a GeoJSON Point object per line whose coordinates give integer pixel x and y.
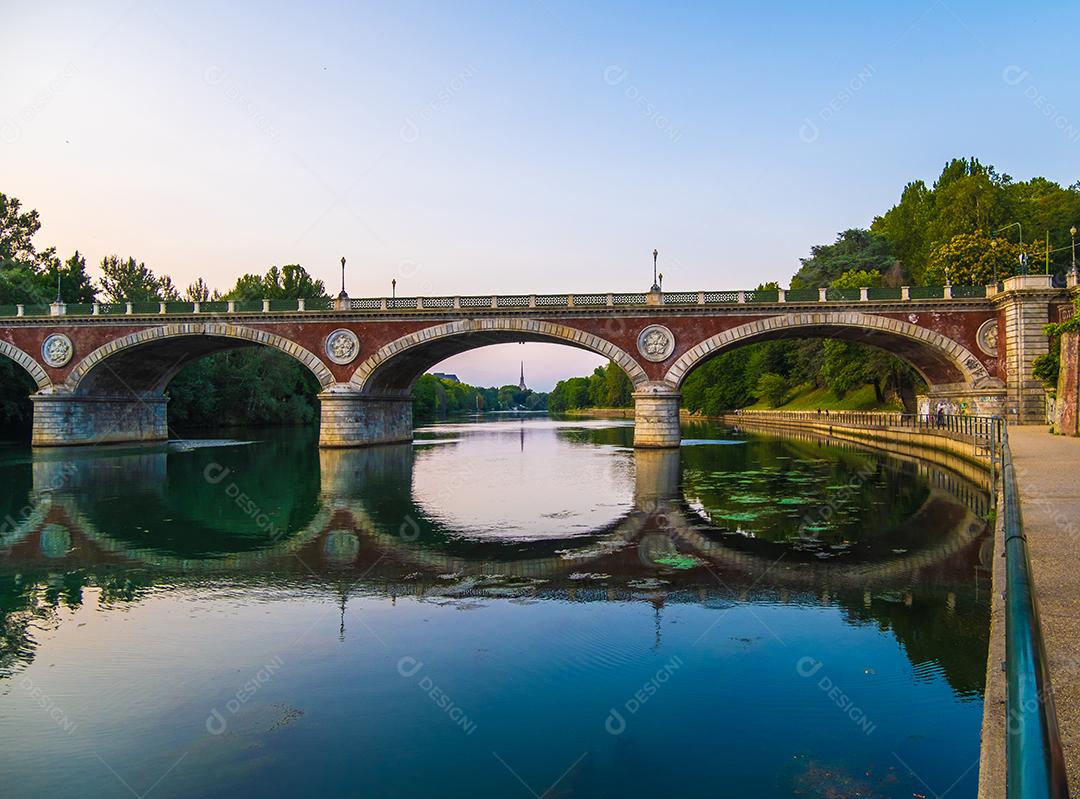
{"type": "Point", "coordinates": [661, 281]}
{"type": "Point", "coordinates": [1072, 235]}
{"type": "Point", "coordinates": [393, 288]}
{"type": "Point", "coordinates": [342, 295]}
{"type": "Point", "coordinates": [655, 285]}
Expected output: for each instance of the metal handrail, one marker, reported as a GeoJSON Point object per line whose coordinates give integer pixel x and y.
{"type": "Point", "coordinates": [527, 302]}
{"type": "Point", "coordinates": [982, 431]}
{"type": "Point", "coordinates": [1035, 764]}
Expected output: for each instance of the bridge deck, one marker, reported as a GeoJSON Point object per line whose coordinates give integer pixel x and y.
{"type": "Point", "coordinates": [520, 302]}
{"type": "Point", "coordinates": [1048, 475]}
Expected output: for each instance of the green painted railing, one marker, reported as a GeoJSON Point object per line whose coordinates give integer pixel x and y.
{"type": "Point", "coordinates": [1035, 764]}
{"type": "Point", "coordinates": [515, 302]}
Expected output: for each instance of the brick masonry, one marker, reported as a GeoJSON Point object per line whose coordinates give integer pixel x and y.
{"type": "Point", "coordinates": [939, 337]}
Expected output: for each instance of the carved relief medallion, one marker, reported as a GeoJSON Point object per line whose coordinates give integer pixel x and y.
{"type": "Point", "coordinates": [656, 343]}
{"type": "Point", "coordinates": [342, 346]}
{"type": "Point", "coordinates": [57, 350]}
{"type": "Point", "coordinates": [987, 337]}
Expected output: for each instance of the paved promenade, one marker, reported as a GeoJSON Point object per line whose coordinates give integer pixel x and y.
{"type": "Point", "coordinates": [1048, 475]}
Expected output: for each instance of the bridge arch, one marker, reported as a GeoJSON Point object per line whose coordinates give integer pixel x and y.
{"type": "Point", "coordinates": [394, 367]}
{"type": "Point", "coordinates": [145, 361]}
{"type": "Point", "coordinates": [29, 365]}
{"type": "Point", "coordinates": [940, 360]}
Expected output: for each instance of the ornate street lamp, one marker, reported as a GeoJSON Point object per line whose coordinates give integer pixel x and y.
{"type": "Point", "coordinates": [1072, 234]}
{"type": "Point", "coordinates": [393, 288]}
{"type": "Point", "coordinates": [655, 285]}
{"type": "Point", "coordinates": [343, 295]}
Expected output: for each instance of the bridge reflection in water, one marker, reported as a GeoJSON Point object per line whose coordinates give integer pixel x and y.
{"type": "Point", "coordinates": [221, 557]}
{"type": "Point", "coordinates": [351, 520]}
{"type": "Point", "coordinates": [241, 513]}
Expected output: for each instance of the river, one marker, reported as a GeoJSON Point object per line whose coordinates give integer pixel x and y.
{"type": "Point", "coordinates": [507, 607]}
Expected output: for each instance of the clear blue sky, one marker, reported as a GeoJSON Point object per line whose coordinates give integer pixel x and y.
{"type": "Point", "coordinates": [513, 147]}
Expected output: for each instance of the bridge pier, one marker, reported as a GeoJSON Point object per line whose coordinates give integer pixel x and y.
{"type": "Point", "coordinates": [73, 419]}
{"type": "Point", "coordinates": [1024, 309]}
{"type": "Point", "coordinates": [349, 418]}
{"type": "Point", "coordinates": [656, 415]}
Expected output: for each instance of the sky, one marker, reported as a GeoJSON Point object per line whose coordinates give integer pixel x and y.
{"type": "Point", "coordinates": [513, 147]}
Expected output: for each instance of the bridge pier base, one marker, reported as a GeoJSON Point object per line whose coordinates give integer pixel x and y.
{"type": "Point", "coordinates": [656, 416]}
{"type": "Point", "coordinates": [63, 420]}
{"type": "Point", "coordinates": [351, 419]}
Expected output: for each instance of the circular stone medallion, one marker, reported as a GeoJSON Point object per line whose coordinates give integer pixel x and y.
{"type": "Point", "coordinates": [57, 350]}
{"type": "Point", "coordinates": [656, 343]}
{"type": "Point", "coordinates": [342, 346]}
{"type": "Point", "coordinates": [987, 337]}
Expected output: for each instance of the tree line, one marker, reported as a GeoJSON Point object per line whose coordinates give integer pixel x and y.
{"type": "Point", "coordinates": [964, 229]}
{"type": "Point", "coordinates": [246, 385]}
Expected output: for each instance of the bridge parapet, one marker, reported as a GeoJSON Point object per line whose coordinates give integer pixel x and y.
{"type": "Point", "coordinates": [509, 302]}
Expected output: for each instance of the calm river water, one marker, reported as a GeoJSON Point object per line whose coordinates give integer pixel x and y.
{"type": "Point", "coordinates": [509, 607]}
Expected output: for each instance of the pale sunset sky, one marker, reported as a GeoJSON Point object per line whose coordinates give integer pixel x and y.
{"type": "Point", "coordinates": [513, 147]}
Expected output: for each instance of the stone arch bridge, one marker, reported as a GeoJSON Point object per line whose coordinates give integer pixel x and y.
{"type": "Point", "coordinates": [102, 371]}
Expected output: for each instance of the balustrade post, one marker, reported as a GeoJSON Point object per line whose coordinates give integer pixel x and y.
{"type": "Point", "coordinates": [701, 298]}
{"type": "Point", "coordinates": [128, 309]}
{"type": "Point", "coordinates": [161, 307]}
{"type": "Point", "coordinates": [822, 294]}
{"type": "Point", "coordinates": [20, 310]}
{"type": "Point", "coordinates": [300, 304]}
{"type": "Point", "coordinates": [266, 306]}
{"type": "Point", "coordinates": [196, 307]}
{"type": "Point", "coordinates": [781, 295]}
{"type": "Point", "coordinates": [232, 306]}
{"type": "Point", "coordinates": [95, 310]}
{"type": "Point", "coordinates": [905, 292]}
{"type": "Point", "coordinates": [864, 294]}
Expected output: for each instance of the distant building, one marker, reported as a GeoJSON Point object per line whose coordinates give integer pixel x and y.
{"type": "Point", "coordinates": [446, 376]}
{"type": "Point", "coordinates": [521, 385]}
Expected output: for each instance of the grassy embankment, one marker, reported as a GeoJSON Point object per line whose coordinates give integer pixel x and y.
{"type": "Point", "coordinates": [808, 398]}
{"type": "Point", "coordinates": [801, 398]}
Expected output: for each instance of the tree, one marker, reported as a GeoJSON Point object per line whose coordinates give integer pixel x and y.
{"type": "Point", "coordinates": [971, 259]}
{"type": "Point", "coordinates": [197, 291]}
{"type": "Point", "coordinates": [854, 249]}
{"type": "Point", "coordinates": [17, 231]}
{"type": "Point", "coordinates": [290, 282]}
{"type": "Point", "coordinates": [772, 388]}
{"type": "Point", "coordinates": [131, 281]}
{"type": "Point", "coordinates": [857, 279]}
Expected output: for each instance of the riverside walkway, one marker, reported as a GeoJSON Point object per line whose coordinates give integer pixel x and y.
{"type": "Point", "coordinates": [1048, 477]}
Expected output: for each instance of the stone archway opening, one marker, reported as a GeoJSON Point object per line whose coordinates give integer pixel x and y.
{"type": "Point", "coordinates": [118, 391]}
{"type": "Point", "coordinates": [947, 368]}
{"type": "Point", "coordinates": [20, 377]}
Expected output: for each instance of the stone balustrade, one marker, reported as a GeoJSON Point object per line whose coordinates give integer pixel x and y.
{"type": "Point", "coordinates": [511, 302]}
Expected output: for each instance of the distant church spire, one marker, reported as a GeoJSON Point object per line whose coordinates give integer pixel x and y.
{"type": "Point", "coordinates": [522, 385]}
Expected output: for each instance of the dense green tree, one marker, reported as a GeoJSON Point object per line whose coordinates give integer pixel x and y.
{"type": "Point", "coordinates": [974, 258]}
{"type": "Point", "coordinates": [854, 249]}
{"type": "Point", "coordinates": [289, 282]}
{"type": "Point", "coordinates": [772, 388]}
{"type": "Point", "coordinates": [125, 280]}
